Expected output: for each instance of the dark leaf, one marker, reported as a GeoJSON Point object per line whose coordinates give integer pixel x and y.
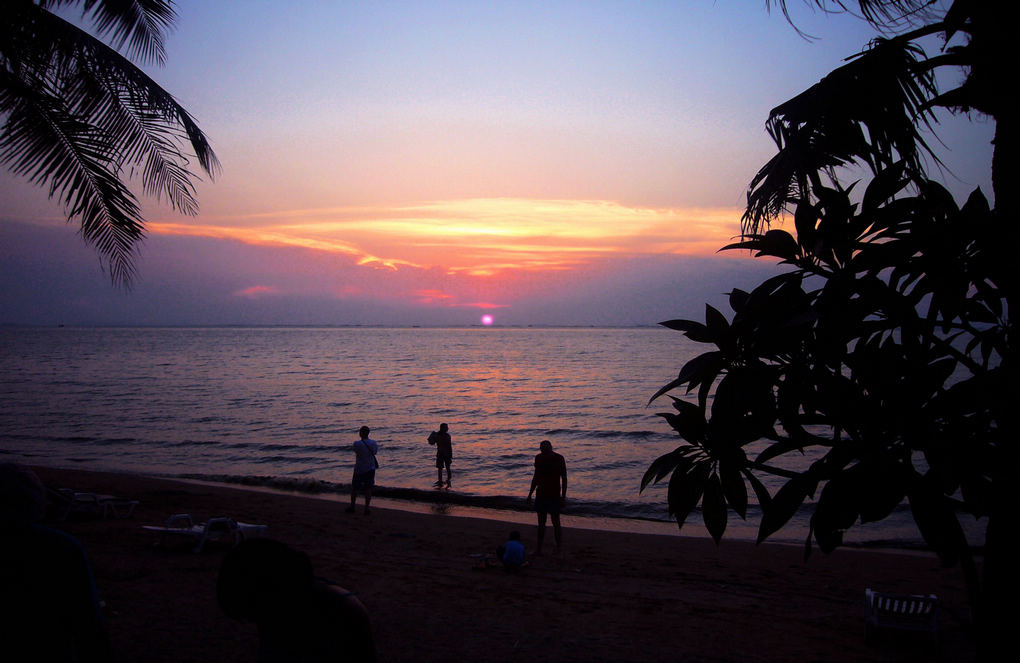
{"type": "Point", "coordinates": [675, 460]}
{"type": "Point", "coordinates": [778, 243]}
{"type": "Point", "coordinates": [733, 487]}
{"type": "Point", "coordinates": [713, 508]}
{"type": "Point", "coordinates": [886, 184]}
{"type": "Point", "coordinates": [689, 422]}
{"type": "Point", "coordinates": [692, 329]}
{"type": "Point", "coordinates": [786, 502]}
{"type": "Point", "coordinates": [778, 449]}
{"type": "Point", "coordinates": [744, 408]}
{"type": "Point", "coordinates": [719, 329]}
{"type": "Point", "coordinates": [760, 491]}
{"type": "Point", "coordinates": [686, 489]}
{"type": "Point", "coordinates": [805, 220]}
{"type": "Point", "coordinates": [836, 511]}
{"type": "Point", "coordinates": [703, 369]}
{"type": "Point", "coordinates": [738, 299]}
{"type": "Point", "coordinates": [749, 242]}
{"type": "Point", "coordinates": [977, 494]}
{"type": "Point", "coordinates": [883, 489]}
{"type": "Point", "coordinates": [937, 522]}
{"type": "Point", "coordinates": [679, 382]}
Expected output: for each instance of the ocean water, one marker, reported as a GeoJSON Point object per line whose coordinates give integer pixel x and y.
{"type": "Point", "coordinates": [280, 407]}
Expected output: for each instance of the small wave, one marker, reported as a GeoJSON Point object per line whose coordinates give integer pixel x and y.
{"type": "Point", "coordinates": [305, 485]}
{"type": "Point", "coordinates": [205, 420]}
{"type": "Point", "coordinates": [110, 441]}
{"type": "Point", "coordinates": [320, 448]}
{"type": "Point", "coordinates": [594, 508]}
{"type": "Point", "coordinates": [312, 429]}
{"type": "Point", "coordinates": [205, 443]}
{"type": "Point", "coordinates": [277, 459]}
{"type": "Point", "coordinates": [76, 439]}
{"type": "Point", "coordinates": [278, 447]}
{"type": "Point", "coordinates": [239, 445]}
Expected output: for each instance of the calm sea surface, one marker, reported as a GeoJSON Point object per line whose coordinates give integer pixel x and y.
{"type": "Point", "coordinates": [280, 407]}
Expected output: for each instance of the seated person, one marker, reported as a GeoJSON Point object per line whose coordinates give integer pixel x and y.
{"type": "Point", "coordinates": [511, 553]}
{"type": "Point", "coordinates": [300, 618]}
{"type": "Point", "coordinates": [50, 610]}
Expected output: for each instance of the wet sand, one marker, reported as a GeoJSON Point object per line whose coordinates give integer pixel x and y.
{"type": "Point", "coordinates": [607, 596]}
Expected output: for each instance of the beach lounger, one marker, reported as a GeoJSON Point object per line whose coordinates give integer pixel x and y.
{"type": "Point", "coordinates": [116, 507]}
{"type": "Point", "coordinates": [67, 502]}
{"type": "Point", "coordinates": [901, 612]}
{"type": "Point", "coordinates": [227, 530]}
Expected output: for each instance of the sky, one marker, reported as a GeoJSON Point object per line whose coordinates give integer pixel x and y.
{"type": "Point", "coordinates": [402, 163]}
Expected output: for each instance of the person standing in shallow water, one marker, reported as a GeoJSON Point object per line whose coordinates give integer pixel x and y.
{"type": "Point", "coordinates": [364, 468]}
{"type": "Point", "coordinates": [444, 453]}
{"type": "Point", "coordinates": [549, 484]}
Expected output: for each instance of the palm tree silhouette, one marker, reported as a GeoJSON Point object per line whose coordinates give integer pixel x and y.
{"type": "Point", "coordinates": [80, 119]}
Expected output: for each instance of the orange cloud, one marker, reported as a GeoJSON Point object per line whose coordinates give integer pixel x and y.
{"type": "Point", "coordinates": [479, 237]}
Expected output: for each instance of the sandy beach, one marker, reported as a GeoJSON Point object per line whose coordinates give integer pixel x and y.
{"type": "Point", "coordinates": [608, 596]}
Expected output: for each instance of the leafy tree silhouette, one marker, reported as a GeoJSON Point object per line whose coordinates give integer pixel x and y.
{"type": "Point", "coordinates": [80, 119]}
{"type": "Point", "coordinates": [886, 348]}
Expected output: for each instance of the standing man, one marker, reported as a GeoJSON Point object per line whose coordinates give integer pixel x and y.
{"type": "Point", "coordinates": [550, 475]}
{"type": "Point", "coordinates": [444, 454]}
{"type": "Point", "coordinates": [364, 468]}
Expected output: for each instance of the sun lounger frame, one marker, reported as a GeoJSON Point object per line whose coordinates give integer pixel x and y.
{"type": "Point", "coordinates": [901, 612]}
{"type": "Point", "coordinates": [106, 506]}
{"type": "Point", "coordinates": [214, 529]}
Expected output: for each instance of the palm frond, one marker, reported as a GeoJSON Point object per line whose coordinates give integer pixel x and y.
{"type": "Point", "coordinates": [866, 112]}
{"type": "Point", "coordinates": [148, 123]}
{"type": "Point", "coordinates": [141, 24]}
{"type": "Point", "coordinates": [53, 147]}
{"type": "Point", "coordinates": [87, 57]}
{"type": "Point", "coordinates": [82, 119]}
{"type": "Point", "coordinates": [883, 14]}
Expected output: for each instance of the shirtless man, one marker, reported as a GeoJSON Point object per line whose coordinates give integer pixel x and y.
{"type": "Point", "coordinates": [550, 482]}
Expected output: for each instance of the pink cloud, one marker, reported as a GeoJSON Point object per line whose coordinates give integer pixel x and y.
{"type": "Point", "coordinates": [256, 291]}
{"type": "Point", "coordinates": [485, 305]}
{"type": "Point", "coordinates": [447, 300]}
{"type": "Point", "coordinates": [430, 296]}
{"type": "Point", "coordinates": [347, 291]}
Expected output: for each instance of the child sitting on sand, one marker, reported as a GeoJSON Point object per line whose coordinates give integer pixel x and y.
{"type": "Point", "coordinates": [511, 553]}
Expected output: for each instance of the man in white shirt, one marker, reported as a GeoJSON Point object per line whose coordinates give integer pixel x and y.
{"type": "Point", "coordinates": [364, 468]}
